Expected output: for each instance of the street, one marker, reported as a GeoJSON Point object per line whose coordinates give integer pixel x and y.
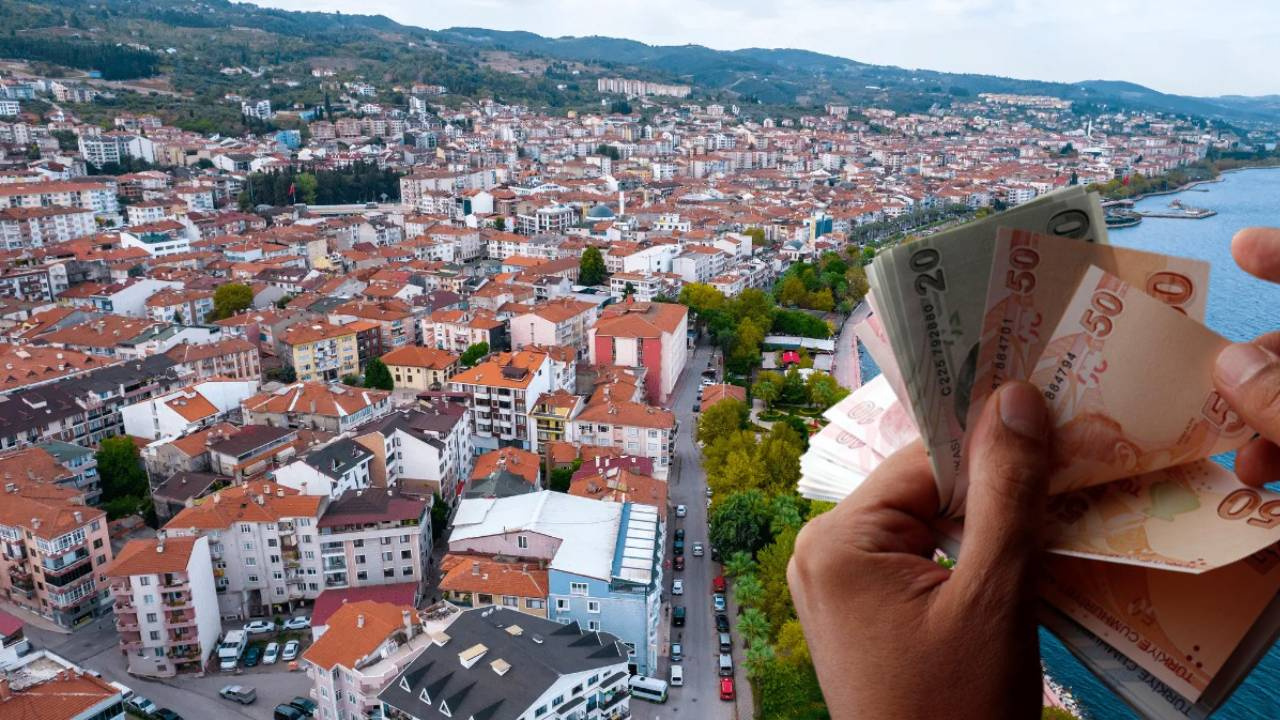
{"type": "Point", "coordinates": [194, 698]}
{"type": "Point", "coordinates": [699, 697]}
{"type": "Point", "coordinates": [845, 364]}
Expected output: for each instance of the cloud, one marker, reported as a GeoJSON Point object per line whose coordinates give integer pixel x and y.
{"type": "Point", "coordinates": [1183, 46]}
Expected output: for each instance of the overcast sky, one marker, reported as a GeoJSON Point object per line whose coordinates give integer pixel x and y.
{"type": "Point", "coordinates": [1193, 47]}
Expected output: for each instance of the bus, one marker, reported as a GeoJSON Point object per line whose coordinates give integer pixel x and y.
{"type": "Point", "coordinates": [647, 688]}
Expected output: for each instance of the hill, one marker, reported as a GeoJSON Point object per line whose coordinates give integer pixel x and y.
{"type": "Point", "coordinates": [194, 42]}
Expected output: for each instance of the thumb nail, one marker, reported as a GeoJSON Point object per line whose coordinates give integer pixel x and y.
{"type": "Point", "coordinates": [1239, 363]}
{"type": "Point", "coordinates": [1022, 410]}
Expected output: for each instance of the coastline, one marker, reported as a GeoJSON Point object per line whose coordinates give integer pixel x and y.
{"type": "Point", "coordinates": [1196, 183]}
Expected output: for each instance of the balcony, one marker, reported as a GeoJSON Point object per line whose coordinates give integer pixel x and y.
{"type": "Point", "coordinates": [21, 579]}
{"type": "Point", "coordinates": [176, 601]}
{"type": "Point", "coordinates": [181, 620]}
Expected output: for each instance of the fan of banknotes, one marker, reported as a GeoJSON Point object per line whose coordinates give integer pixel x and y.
{"type": "Point", "coordinates": [1164, 572]}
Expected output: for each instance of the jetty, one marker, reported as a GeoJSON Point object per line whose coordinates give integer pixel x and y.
{"type": "Point", "coordinates": [1178, 211]}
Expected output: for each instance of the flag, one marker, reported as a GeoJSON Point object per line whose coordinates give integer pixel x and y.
{"type": "Point", "coordinates": [293, 191]}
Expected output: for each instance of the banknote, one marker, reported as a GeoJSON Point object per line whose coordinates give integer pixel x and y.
{"type": "Point", "coordinates": [1181, 628]}
{"type": "Point", "coordinates": [932, 293]}
{"type": "Point", "coordinates": [1128, 382]}
{"type": "Point", "coordinates": [874, 415]}
{"type": "Point", "coordinates": [1190, 518]}
{"type": "Point", "coordinates": [842, 446]}
{"type": "Point", "coordinates": [869, 329]}
{"type": "Point", "coordinates": [1032, 278]}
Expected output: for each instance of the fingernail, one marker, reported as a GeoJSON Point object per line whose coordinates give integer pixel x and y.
{"type": "Point", "coordinates": [1239, 363]}
{"type": "Point", "coordinates": [1022, 410]}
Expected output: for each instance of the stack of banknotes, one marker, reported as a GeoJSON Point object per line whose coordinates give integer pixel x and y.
{"type": "Point", "coordinates": [1163, 572]}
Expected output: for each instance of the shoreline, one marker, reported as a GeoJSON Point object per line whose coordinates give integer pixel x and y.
{"type": "Point", "coordinates": [1196, 183]}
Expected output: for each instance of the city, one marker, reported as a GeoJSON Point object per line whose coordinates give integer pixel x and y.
{"type": "Point", "coordinates": [333, 394]}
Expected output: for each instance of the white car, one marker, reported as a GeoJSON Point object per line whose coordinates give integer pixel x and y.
{"type": "Point", "coordinates": [302, 622]}
{"type": "Point", "coordinates": [271, 654]}
{"type": "Point", "coordinates": [681, 511]}
{"type": "Point", "coordinates": [260, 626]}
{"type": "Point", "coordinates": [677, 675]}
{"type": "Point", "coordinates": [144, 706]}
{"type": "Point", "coordinates": [677, 587]}
{"type": "Point", "coordinates": [697, 550]}
{"type": "Point", "coordinates": [290, 651]}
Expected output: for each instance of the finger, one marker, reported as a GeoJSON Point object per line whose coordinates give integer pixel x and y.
{"type": "Point", "coordinates": [1258, 463]}
{"type": "Point", "coordinates": [1247, 375]}
{"type": "Point", "coordinates": [1257, 251]}
{"type": "Point", "coordinates": [890, 511]}
{"type": "Point", "coordinates": [1008, 462]}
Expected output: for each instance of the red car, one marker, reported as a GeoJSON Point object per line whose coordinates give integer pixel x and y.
{"type": "Point", "coordinates": [717, 585]}
{"type": "Point", "coordinates": [726, 688]}
{"type": "Point", "coordinates": [679, 562]}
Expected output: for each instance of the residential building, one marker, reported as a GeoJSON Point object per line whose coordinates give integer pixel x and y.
{"type": "Point", "coordinates": [551, 415]}
{"type": "Point", "coordinates": [330, 407]}
{"type": "Point", "coordinates": [34, 227]}
{"type": "Point", "coordinates": [561, 323]}
{"type": "Point", "coordinates": [604, 559]}
{"type": "Point", "coordinates": [234, 358]}
{"type": "Point", "coordinates": [457, 330]}
{"type": "Point", "coordinates": [264, 544]}
{"type": "Point", "coordinates": [81, 463]}
{"type": "Point", "coordinates": [474, 581]}
{"type": "Point", "coordinates": [186, 410]}
{"type": "Point", "coordinates": [564, 671]}
{"type": "Point", "coordinates": [423, 451]}
{"type": "Point", "coordinates": [503, 390]}
{"type": "Point", "coordinates": [43, 684]}
{"type": "Point", "coordinates": [251, 450]}
{"type": "Point", "coordinates": [420, 368]}
{"type": "Point", "coordinates": [365, 646]}
{"type": "Point", "coordinates": [54, 552]}
{"type": "Point", "coordinates": [329, 470]}
{"type": "Point", "coordinates": [321, 351]}
{"type": "Point", "coordinates": [376, 537]}
{"type": "Point", "coordinates": [506, 466]}
{"type": "Point", "coordinates": [166, 608]}
{"type": "Point", "coordinates": [631, 427]}
{"type": "Point", "coordinates": [649, 335]}
{"type": "Point", "coordinates": [96, 196]}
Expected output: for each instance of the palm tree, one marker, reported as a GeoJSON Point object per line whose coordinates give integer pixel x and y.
{"type": "Point", "coordinates": [753, 625]}
{"type": "Point", "coordinates": [759, 655]}
{"type": "Point", "coordinates": [747, 591]}
{"type": "Point", "coordinates": [739, 563]}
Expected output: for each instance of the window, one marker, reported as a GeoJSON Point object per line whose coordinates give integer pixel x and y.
{"type": "Point", "coordinates": [388, 572]}
{"type": "Point", "coordinates": [145, 580]}
{"type": "Point", "coordinates": [248, 546]}
{"type": "Point", "coordinates": [246, 528]}
{"type": "Point", "coordinates": [534, 604]}
{"type": "Point", "coordinates": [593, 606]}
{"type": "Point", "coordinates": [148, 599]}
{"type": "Point", "coordinates": [93, 526]}
{"type": "Point", "coordinates": [406, 554]}
{"type": "Point", "coordinates": [510, 601]}
{"type": "Point", "coordinates": [359, 542]}
{"type": "Point", "coordinates": [154, 634]}
{"type": "Point", "coordinates": [275, 559]}
{"type": "Point", "coordinates": [271, 542]}
{"type": "Point", "coordinates": [360, 559]}
{"type": "Point", "coordinates": [152, 617]}
{"type": "Point", "coordinates": [387, 540]}
{"type": "Point", "coordinates": [97, 543]}
{"type": "Point", "coordinates": [387, 556]}
{"type": "Point", "coordinates": [562, 605]}
{"type": "Point", "coordinates": [251, 561]}
{"type": "Point", "coordinates": [522, 542]}
{"type": "Point", "coordinates": [404, 539]}
{"type": "Point", "coordinates": [407, 570]}
{"type": "Point", "coordinates": [253, 578]}
{"type": "Point", "coordinates": [362, 575]}
{"type": "Point", "coordinates": [577, 588]}
{"type": "Point", "coordinates": [593, 624]}
{"type": "Point", "coordinates": [277, 575]}
{"type": "Point", "coordinates": [280, 591]}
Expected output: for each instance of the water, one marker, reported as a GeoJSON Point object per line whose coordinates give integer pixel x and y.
{"type": "Point", "coordinates": [1240, 307]}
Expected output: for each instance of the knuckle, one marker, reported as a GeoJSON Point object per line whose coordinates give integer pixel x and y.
{"type": "Point", "coordinates": [1016, 474]}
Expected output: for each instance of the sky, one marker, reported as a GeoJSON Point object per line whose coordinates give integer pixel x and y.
{"type": "Point", "coordinates": [1190, 47]}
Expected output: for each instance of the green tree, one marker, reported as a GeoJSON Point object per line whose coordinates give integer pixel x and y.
{"type": "Point", "coordinates": [792, 291]}
{"type": "Point", "coordinates": [740, 522]}
{"type": "Point", "coordinates": [591, 267]}
{"type": "Point", "coordinates": [754, 305]}
{"type": "Point", "coordinates": [747, 593]}
{"type": "Point", "coordinates": [824, 391]}
{"type": "Point", "coordinates": [740, 471]}
{"type": "Point", "coordinates": [822, 300]}
{"type": "Point", "coordinates": [306, 185]}
{"type": "Point", "coordinates": [791, 646]}
{"type": "Point", "coordinates": [120, 469]}
{"type": "Point", "coordinates": [628, 290]}
{"type": "Point", "coordinates": [855, 279]}
{"type": "Point", "coordinates": [376, 375]}
{"type": "Point", "coordinates": [767, 387]}
{"type": "Point", "coordinates": [759, 657]}
{"type": "Point", "coordinates": [231, 299]}
{"type": "Point", "coordinates": [701, 298]}
{"type": "Point", "coordinates": [757, 236]}
{"type": "Point", "coordinates": [473, 353]}
{"type": "Point", "coordinates": [794, 390]}
{"type": "Point", "coordinates": [721, 419]}
{"type": "Point", "coordinates": [739, 563]}
{"type": "Point", "coordinates": [351, 380]}
{"type": "Point", "coordinates": [499, 223]}
{"type": "Point", "coordinates": [439, 516]}
{"type": "Point", "coordinates": [746, 348]}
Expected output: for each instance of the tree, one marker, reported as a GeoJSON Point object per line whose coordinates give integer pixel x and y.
{"type": "Point", "coordinates": [824, 391]}
{"type": "Point", "coordinates": [721, 419]}
{"type": "Point", "coordinates": [560, 480]}
{"type": "Point", "coordinates": [855, 279]}
{"type": "Point", "coordinates": [306, 187]}
{"type": "Point", "coordinates": [376, 375]}
{"type": "Point", "coordinates": [591, 267]}
{"type": "Point", "coordinates": [757, 236]}
{"type": "Point", "coordinates": [120, 469]}
{"type": "Point", "coordinates": [767, 386]}
{"type": "Point", "coordinates": [822, 300]}
{"type": "Point", "coordinates": [739, 563]}
{"type": "Point", "coordinates": [499, 223]}
{"type": "Point", "coordinates": [791, 646]}
{"type": "Point", "coordinates": [778, 459]}
{"type": "Point", "coordinates": [740, 522]}
{"type": "Point", "coordinates": [231, 299]}
{"type": "Point", "coordinates": [473, 353]}
{"type": "Point", "coordinates": [746, 348]}
{"type": "Point", "coordinates": [792, 291]}
{"type": "Point", "coordinates": [628, 290]}
{"type": "Point", "coordinates": [439, 516]}
{"type": "Point", "coordinates": [702, 299]}
{"type": "Point", "coordinates": [759, 657]}
{"type": "Point", "coordinates": [747, 593]}
{"type": "Point", "coordinates": [739, 471]}
{"type": "Point", "coordinates": [794, 391]}
{"type": "Point", "coordinates": [351, 380]}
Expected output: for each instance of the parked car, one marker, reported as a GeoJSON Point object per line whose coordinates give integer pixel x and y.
{"type": "Point", "coordinates": [679, 563]}
{"type": "Point", "coordinates": [726, 688]}
{"type": "Point", "coordinates": [166, 714]}
{"type": "Point", "coordinates": [681, 511]}
{"type": "Point", "coordinates": [708, 492]}
{"type": "Point", "coordinates": [143, 705]}
{"type": "Point", "coordinates": [302, 622]}
{"type": "Point", "coordinates": [717, 584]}
{"type": "Point", "coordinates": [306, 705]}
{"type": "Point", "coordinates": [260, 626]}
{"type": "Point", "coordinates": [697, 549]}
{"type": "Point", "coordinates": [285, 711]}
{"type": "Point", "coordinates": [290, 651]}
{"type": "Point", "coordinates": [679, 534]}
{"type": "Point", "coordinates": [718, 602]}
{"type": "Point", "coordinates": [722, 622]}
{"type": "Point", "coordinates": [271, 654]}
{"type": "Point", "coordinates": [726, 642]}
{"type": "Point", "coordinates": [677, 652]}
{"type": "Point", "coordinates": [726, 665]}
{"type": "Point", "coordinates": [697, 407]}
{"type": "Point", "coordinates": [252, 656]}
{"type": "Point", "coordinates": [678, 547]}
{"type": "Point", "coordinates": [677, 675]}
{"type": "Point", "coordinates": [242, 694]}
{"type": "Point", "coordinates": [677, 616]}
{"type": "Point", "coordinates": [715, 555]}
{"type": "Point", "coordinates": [677, 587]}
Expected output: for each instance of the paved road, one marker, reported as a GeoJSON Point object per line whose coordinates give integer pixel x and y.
{"type": "Point", "coordinates": [700, 696]}
{"type": "Point", "coordinates": [194, 698]}
{"type": "Point", "coordinates": [845, 364]}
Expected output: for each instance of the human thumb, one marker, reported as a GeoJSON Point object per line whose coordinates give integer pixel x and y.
{"type": "Point", "coordinates": [1008, 482]}
{"type": "Point", "coordinates": [1247, 376]}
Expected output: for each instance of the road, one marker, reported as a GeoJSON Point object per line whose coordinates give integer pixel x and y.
{"type": "Point", "coordinates": [845, 365]}
{"type": "Point", "coordinates": [700, 696]}
{"type": "Point", "coordinates": [194, 698]}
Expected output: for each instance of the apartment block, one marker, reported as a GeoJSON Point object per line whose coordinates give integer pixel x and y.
{"type": "Point", "coordinates": [321, 351]}
{"type": "Point", "coordinates": [422, 451]}
{"type": "Point", "coordinates": [33, 227]}
{"type": "Point", "coordinates": [166, 608]}
{"type": "Point", "coordinates": [503, 391]}
{"type": "Point", "coordinates": [375, 537]}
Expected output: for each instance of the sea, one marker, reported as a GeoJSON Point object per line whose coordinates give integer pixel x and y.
{"type": "Point", "coordinates": [1240, 307]}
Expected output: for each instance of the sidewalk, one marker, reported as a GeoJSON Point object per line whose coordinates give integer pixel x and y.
{"type": "Point", "coordinates": [30, 618]}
